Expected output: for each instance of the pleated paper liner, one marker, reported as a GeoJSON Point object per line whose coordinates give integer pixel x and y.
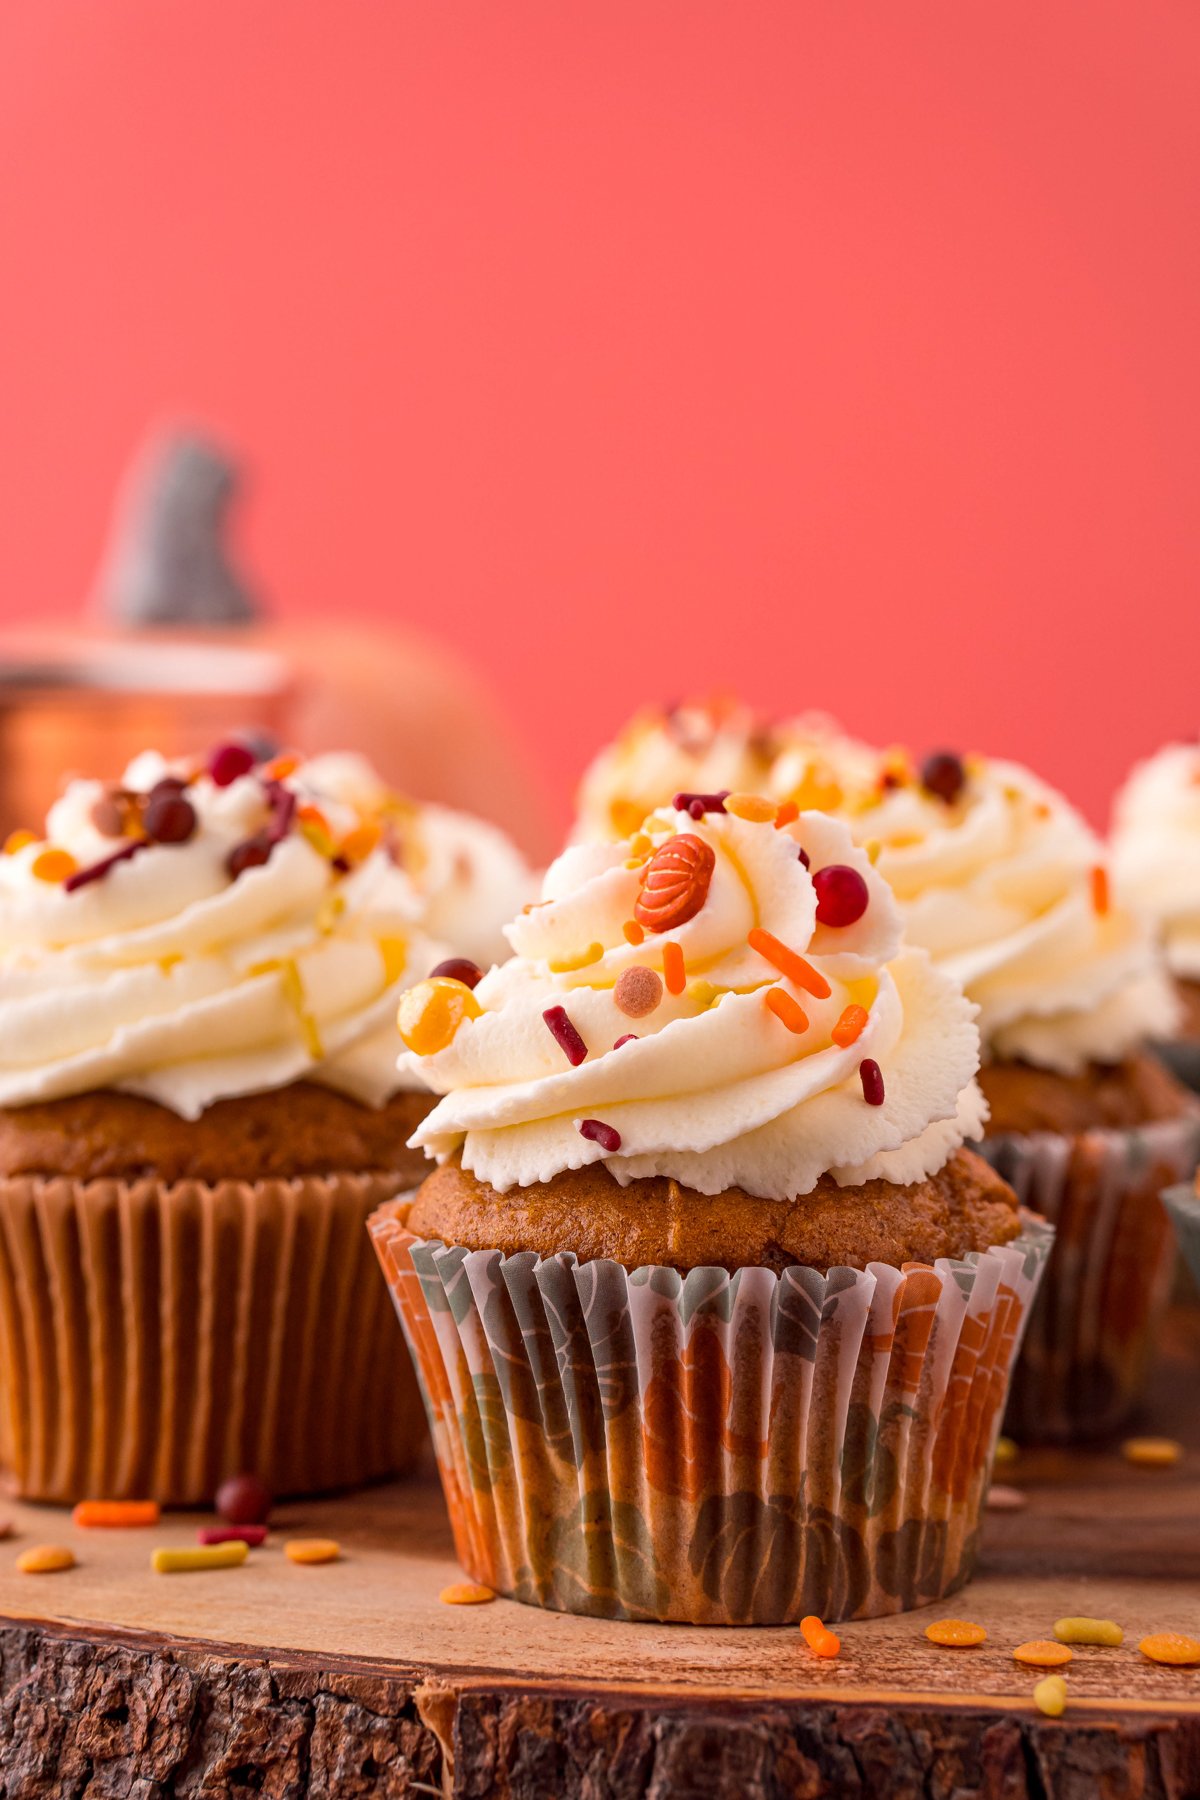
{"type": "Point", "coordinates": [155, 1339]}
{"type": "Point", "coordinates": [1183, 1205]}
{"type": "Point", "coordinates": [711, 1448]}
{"type": "Point", "coordinates": [1092, 1332]}
{"type": "Point", "coordinates": [1182, 1057]}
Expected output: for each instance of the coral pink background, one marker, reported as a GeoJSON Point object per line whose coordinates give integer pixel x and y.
{"type": "Point", "coordinates": [844, 354]}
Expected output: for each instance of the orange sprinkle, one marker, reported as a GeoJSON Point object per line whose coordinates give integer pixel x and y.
{"type": "Point", "coordinates": [45, 1559]}
{"type": "Point", "coordinates": [634, 933]}
{"type": "Point", "coordinates": [18, 840]}
{"type": "Point", "coordinates": [465, 1593]}
{"type": "Point", "coordinates": [789, 963]}
{"type": "Point", "coordinates": [115, 1513]}
{"type": "Point", "coordinates": [1151, 1452]}
{"type": "Point", "coordinates": [311, 1551]}
{"type": "Point", "coordinates": [312, 815]}
{"type": "Point", "coordinates": [1171, 1647]}
{"type": "Point", "coordinates": [1100, 889]}
{"type": "Point", "coordinates": [788, 813]}
{"type": "Point", "coordinates": [674, 972]}
{"type": "Point", "coordinates": [281, 767]}
{"type": "Point", "coordinates": [787, 1010]}
{"type": "Point", "coordinates": [54, 865]}
{"type": "Point", "coordinates": [958, 1634]}
{"type": "Point", "coordinates": [817, 1635]}
{"type": "Point", "coordinates": [358, 843]}
{"type": "Point", "coordinates": [850, 1026]}
{"type": "Point", "coordinates": [752, 807]}
{"type": "Point", "coordinates": [1040, 1653]}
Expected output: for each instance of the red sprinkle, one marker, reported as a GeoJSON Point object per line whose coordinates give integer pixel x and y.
{"type": "Point", "coordinates": [804, 857]}
{"type": "Point", "coordinates": [227, 762]}
{"type": "Point", "coordinates": [631, 1037]}
{"type": "Point", "coordinates": [98, 870]}
{"type": "Point", "coordinates": [841, 895]}
{"type": "Point", "coordinates": [699, 804]}
{"type": "Point", "coordinates": [232, 1534]}
{"type": "Point", "coordinates": [565, 1035]}
{"type": "Point", "coordinates": [600, 1133]}
{"type": "Point", "coordinates": [871, 1076]}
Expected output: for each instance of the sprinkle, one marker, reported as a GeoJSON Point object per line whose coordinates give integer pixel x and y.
{"type": "Point", "coordinates": [873, 847]}
{"type": "Point", "coordinates": [227, 762]}
{"type": "Point", "coordinates": [1171, 1647]}
{"type": "Point", "coordinates": [358, 843]}
{"type": "Point", "coordinates": [626, 816]}
{"type": "Point", "coordinates": [872, 1081]}
{"type": "Point", "coordinates": [630, 1037]}
{"type": "Point", "coordinates": [1151, 1452]}
{"type": "Point", "coordinates": [53, 865]}
{"type": "Point", "coordinates": [317, 836]}
{"type": "Point", "coordinates": [250, 1535]}
{"type": "Point", "coordinates": [312, 1550]}
{"type": "Point", "coordinates": [583, 959]}
{"type": "Point", "coordinates": [465, 1593]}
{"type": "Point", "coordinates": [943, 774]}
{"type": "Point", "coordinates": [280, 768]}
{"type": "Point", "coordinates": [797, 970]}
{"type": "Point", "coordinates": [565, 1035]}
{"type": "Point", "coordinates": [1040, 1653]}
{"type": "Point", "coordinates": [1006, 1499]}
{"type": "Point", "coordinates": [1006, 1451]}
{"type": "Point", "coordinates": [633, 932]}
{"type": "Point", "coordinates": [458, 968]}
{"type": "Point", "coordinates": [292, 983]}
{"type": "Point", "coordinates": [955, 1634]}
{"type": "Point", "coordinates": [329, 912]}
{"type": "Point", "coordinates": [1050, 1696]}
{"type": "Point", "coordinates": [674, 883]}
{"type": "Point", "coordinates": [1089, 1631]}
{"type": "Point", "coordinates": [674, 970]}
{"type": "Point", "coordinates": [116, 1513]}
{"type": "Point", "coordinates": [98, 870]}
{"type": "Point", "coordinates": [787, 1009]}
{"type": "Point", "coordinates": [598, 1132]}
{"type": "Point", "coordinates": [205, 1556]}
{"type": "Point", "coordinates": [45, 1559]}
{"type": "Point", "coordinates": [1100, 900]}
{"type": "Point", "coordinates": [243, 1499]}
{"type": "Point", "coordinates": [6, 1528]}
{"type": "Point", "coordinates": [430, 1013]}
{"type": "Point", "coordinates": [850, 1026]}
{"type": "Point", "coordinates": [802, 853]}
{"type": "Point", "coordinates": [817, 1635]}
{"type": "Point", "coordinates": [788, 813]}
{"type": "Point", "coordinates": [394, 951]}
{"type": "Point", "coordinates": [752, 807]}
{"type": "Point", "coordinates": [842, 895]}
{"type": "Point", "coordinates": [699, 804]}
{"type": "Point", "coordinates": [638, 991]}
{"type": "Point", "coordinates": [168, 817]}
{"type": "Point", "coordinates": [18, 840]}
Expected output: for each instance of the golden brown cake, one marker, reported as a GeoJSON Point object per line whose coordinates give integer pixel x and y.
{"type": "Point", "coordinates": [1111, 1096]}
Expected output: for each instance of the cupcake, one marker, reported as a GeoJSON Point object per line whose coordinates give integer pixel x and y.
{"type": "Point", "coordinates": [1006, 886]}
{"type": "Point", "coordinates": [712, 1310]}
{"type": "Point", "coordinates": [1156, 868]}
{"type": "Point", "coordinates": [199, 1108]}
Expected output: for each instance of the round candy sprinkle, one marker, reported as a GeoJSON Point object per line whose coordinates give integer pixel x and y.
{"type": "Point", "coordinates": [955, 1634]}
{"type": "Point", "coordinates": [227, 762]}
{"type": "Point", "coordinates": [458, 968]}
{"type": "Point", "coordinates": [1171, 1647]}
{"type": "Point", "coordinates": [251, 853]}
{"type": "Point", "coordinates": [1050, 1696]}
{"type": "Point", "coordinates": [638, 991]}
{"type": "Point", "coordinates": [841, 895]}
{"type": "Point", "coordinates": [1040, 1653]}
{"type": "Point", "coordinates": [1006, 1451]}
{"type": "Point", "coordinates": [108, 816]}
{"type": "Point", "coordinates": [312, 1550]}
{"type": "Point", "coordinates": [53, 865]}
{"type": "Point", "coordinates": [608, 1138]}
{"type": "Point", "coordinates": [1151, 1452]}
{"type": "Point", "coordinates": [871, 1077]}
{"type": "Point", "coordinates": [18, 840]}
{"type": "Point", "coordinates": [243, 1500]}
{"type": "Point", "coordinates": [431, 1012]}
{"type": "Point", "coordinates": [168, 818]}
{"type": "Point", "coordinates": [943, 774]}
{"type": "Point", "coordinates": [1089, 1631]}
{"type": "Point", "coordinates": [466, 1593]}
{"type": "Point", "coordinates": [45, 1559]}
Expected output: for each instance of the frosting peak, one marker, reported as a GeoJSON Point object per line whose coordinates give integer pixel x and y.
{"type": "Point", "coordinates": [683, 1004]}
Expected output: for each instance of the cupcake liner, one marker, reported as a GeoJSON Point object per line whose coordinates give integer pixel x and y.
{"type": "Point", "coordinates": [1091, 1333]}
{"type": "Point", "coordinates": [1182, 1057]}
{"type": "Point", "coordinates": [712, 1448]}
{"type": "Point", "coordinates": [1183, 1204]}
{"type": "Point", "coordinates": [156, 1338]}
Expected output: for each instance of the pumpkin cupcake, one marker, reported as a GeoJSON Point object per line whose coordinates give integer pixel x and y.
{"type": "Point", "coordinates": [199, 1107]}
{"type": "Point", "coordinates": [712, 1310]}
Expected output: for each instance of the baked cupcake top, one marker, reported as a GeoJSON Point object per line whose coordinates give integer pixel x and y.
{"type": "Point", "coordinates": [197, 932]}
{"type": "Point", "coordinates": [1156, 850]}
{"type": "Point", "coordinates": [1006, 885]}
{"type": "Point", "coordinates": [717, 1000]}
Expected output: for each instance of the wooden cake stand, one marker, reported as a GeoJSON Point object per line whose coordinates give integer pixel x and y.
{"type": "Point", "coordinates": [354, 1679]}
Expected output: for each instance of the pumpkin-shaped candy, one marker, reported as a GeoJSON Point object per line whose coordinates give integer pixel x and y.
{"type": "Point", "coordinates": [675, 883]}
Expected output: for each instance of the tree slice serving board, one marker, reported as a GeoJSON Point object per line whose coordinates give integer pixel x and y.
{"type": "Point", "coordinates": [354, 1679]}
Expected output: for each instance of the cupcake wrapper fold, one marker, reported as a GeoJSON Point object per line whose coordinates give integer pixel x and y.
{"type": "Point", "coordinates": [712, 1448]}
{"type": "Point", "coordinates": [1182, 1057]}
{"type": "Point", "coordinates": [1183, 1204]}
{"type": "Point", "coordinates": [1091, 1333]}
{"type": "Point", "coordinates": [155, 1339]}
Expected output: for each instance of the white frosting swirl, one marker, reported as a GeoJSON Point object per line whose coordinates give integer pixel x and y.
{"type": "Point", "coordinates": [169, 978]}
{"type": "Point", "coordinates": [1000, 885]}
{"type": "Point", "coordinates": [716, 1091]}
{"type": "Point", "coordinates": [1156, 850]}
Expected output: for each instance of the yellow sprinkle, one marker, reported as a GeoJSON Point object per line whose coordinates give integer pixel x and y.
{"type": "Point", "coordinates": [394, 951]}
{"type": "Point", "coordinates": [1006, 1451]}
{"type": "Point", "coordinates": [626, 816]}
{"type": "Point", "coordinates": [1088, 1631]}
{"type": "Point", "coordinates": [1050, 1696]}
{"type": "Point", "coordinates": [53, 865]}
{"type": "Point", "coordinates": [204, 1556]}
{"type": "Point", "coordinates": [319, 837]}
{"type": "Point", "coordinates": [312, 1550]}
{"type": "Point", "coordinates": [465, 1593]}
{"type": "Point", "coordinates": [1040, 1653]}
{"type": "Point", "coordinates": [45, 1559]}
{"type": "Point", "coordinates": [873, 847]}
{"type": "Point", "coordinates": [432, 1012]}
{"type": "Point", "coordinates": [752, 807]}
{"type": "Point", "coordinates": [703, 993]}
{"type": "Point", "coordinates": [329, 912]}
{"type": "Point", "coordinates": [292, 983]}
{"type": "Point", "coordinates": [1171, 1647]}
{"type": "Point", "coordinates": [583, 959]}
{"type": "Point", "coordinates": [18, 840]}
{"type": "Point", "coordinates": [1151, 1453]}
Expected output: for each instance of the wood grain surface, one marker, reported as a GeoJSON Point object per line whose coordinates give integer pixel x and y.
{"type": "Point", "coordinates": [353, 1678]}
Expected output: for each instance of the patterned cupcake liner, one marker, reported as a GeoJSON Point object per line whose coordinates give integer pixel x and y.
{"type": "Point", "coordinates": [1182, 1057]}
{"type": "Point", "coordinates": [1091, 1333]}
{"type": "Point", "coordinates": [1183, 1204]}
{"type": "Point", "coordinates": [712, 1448]}
{"type": "Point", "coordinates": [155, 1339]}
